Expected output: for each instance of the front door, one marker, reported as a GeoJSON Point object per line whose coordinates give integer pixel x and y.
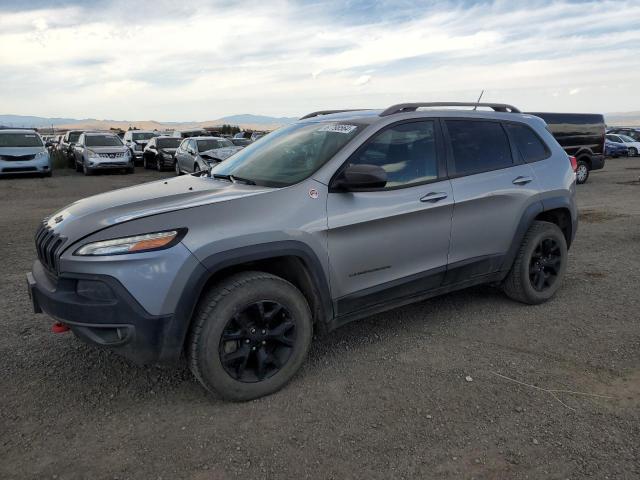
{"type": "Point", "coordinates": [392, 242]}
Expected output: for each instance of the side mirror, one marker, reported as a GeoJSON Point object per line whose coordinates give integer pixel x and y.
{"type": "Point", "coordinates": [360, 177]}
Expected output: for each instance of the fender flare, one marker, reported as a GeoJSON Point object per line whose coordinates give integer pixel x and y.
{"type": "Point", "coordinates": [528, 217]}
{"type": "Point", "coordinates": [177, 331]}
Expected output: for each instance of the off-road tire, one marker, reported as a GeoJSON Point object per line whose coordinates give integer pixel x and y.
{"type": "Point", "coordinates": [517, 285]}
{"type": "Point", "coordinates": [213, 313]}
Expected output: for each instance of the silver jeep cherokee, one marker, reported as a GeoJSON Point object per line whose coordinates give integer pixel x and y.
{"type": "Point", "coordinates": [336, 217]}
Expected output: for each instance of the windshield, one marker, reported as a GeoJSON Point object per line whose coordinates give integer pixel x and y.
{"type": "Point", "coordinates": [142, 136]}
{"type": "Point", "coordinates": [204, 145]}
{"type": "Point", "coordinates": [168, 142]}
{"type": "Point", "coordinates": [289, 155]}
{"type": "Point", "coordinates": [20, 140]}
{"type": "Point", "coordinates": [73, 137]}
{"type": "Point", "coordinates": [626, 138]}
{"type": "Point", "coordinates": [102, 141]}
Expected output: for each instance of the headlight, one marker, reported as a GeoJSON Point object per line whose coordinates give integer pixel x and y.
{"type": "Point", "coordinates": [92, 154]}
{"type": "Point", "coordinates": [136, 244]}
{"type": "Point", "coordinates": [42, 154]}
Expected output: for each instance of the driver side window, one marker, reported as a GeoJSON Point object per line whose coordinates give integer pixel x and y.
{"type": "Point", "coordinates": [407, 152]}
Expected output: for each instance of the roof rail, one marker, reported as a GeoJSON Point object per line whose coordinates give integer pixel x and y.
{"type": "Point", "coordinates": [329, 112]}
{"type": "Point", "coordinates": [412, 107]}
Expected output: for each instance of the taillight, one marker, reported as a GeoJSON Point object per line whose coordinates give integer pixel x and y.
{"type": "Point", "coordinates": [574, 162]}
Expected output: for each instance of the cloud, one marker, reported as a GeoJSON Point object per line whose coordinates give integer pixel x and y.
{"type": "Point", "coordinates": [197, 60]}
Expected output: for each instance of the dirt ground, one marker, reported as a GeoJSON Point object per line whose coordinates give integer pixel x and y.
{"type": "Point", "coordinates": [553, 390]}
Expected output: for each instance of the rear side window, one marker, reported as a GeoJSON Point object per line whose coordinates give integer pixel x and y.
{"type": "Point", "coordinates": [478, 146]}
{"type": "Point", "coordinates": [531, 148]}
{"type": "Point", "coordinates": [407, 152]}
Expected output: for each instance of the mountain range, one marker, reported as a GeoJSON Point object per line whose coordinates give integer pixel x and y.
{"type": "Point", "coordinates": [245, 121]}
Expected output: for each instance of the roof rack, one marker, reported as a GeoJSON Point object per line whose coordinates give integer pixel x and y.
{"type": "Point", "coordinates": [412, 107]}
{"type": "Point", "coordinates": [329, 112]}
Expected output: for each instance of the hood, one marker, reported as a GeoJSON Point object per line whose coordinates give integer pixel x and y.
{"type": "Point", "coordinates": [19, 151]}
{"type": "Point", "coordinates": [95, 213]}
{"type": "Point", "coordinates": [221, 153]}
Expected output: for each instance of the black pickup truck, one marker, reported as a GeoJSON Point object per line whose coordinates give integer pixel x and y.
{"type": "Point", "coordinates": [581, 135]}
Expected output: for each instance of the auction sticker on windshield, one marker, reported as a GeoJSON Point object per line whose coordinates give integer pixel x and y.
{"type": "Point", "coordinates": [338, 128]}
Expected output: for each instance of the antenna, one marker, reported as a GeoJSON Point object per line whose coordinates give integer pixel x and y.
{"type": "Point", "coordinates": [478, 101]}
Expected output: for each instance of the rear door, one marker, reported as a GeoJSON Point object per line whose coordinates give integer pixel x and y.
{"type": "Point", "coordinates": [392, 242]}
{"type": "Point", "coordinates": [492, 187]}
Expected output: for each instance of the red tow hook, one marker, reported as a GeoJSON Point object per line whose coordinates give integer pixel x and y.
{"type": "Point", "coordinates": [59, 327]}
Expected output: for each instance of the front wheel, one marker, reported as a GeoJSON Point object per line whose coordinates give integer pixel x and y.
{"type": "Point", "coordinates": [633, 152]}
{"type": "Point", "coordinates": [250, 335]}
{"type": "Point", "coordinates": [159, 163]}
{"type": "Point", "coordinates": [582, 172]}
{"type": "Point", "coordinates": [86, 170]}
{"type": "Point", "coordinates": [145, 165]}
{"type": "Point", "coordinates": [540, 264]}
{"type": "Point", "coordinates": [176, 167]}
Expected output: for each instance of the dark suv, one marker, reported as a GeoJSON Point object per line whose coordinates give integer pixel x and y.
{"type": "Point", "coordinates": [333, 218]}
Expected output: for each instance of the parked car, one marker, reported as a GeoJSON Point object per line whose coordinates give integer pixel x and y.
{"type": "Point", "coordinates": [614, 149]}
{"type": "Point", "coordinates": [632, 145]}
{"type": "Point", "coordinates": [240, 142]}
{"type": "Point", "coordinates": [257, 135]}
{"type": "Point", "coordinates": [330, 219]}
{"type": "Point", "coordinates": [633, 132]}
{"type": "Point", "coordinates": [197, 132]}
{"type": "Point", "coordinates": [96, 152]}
{"type": "Point", "coordinates": [159, 152]}
{"type": "Point", "coordinates": [245, 134]}
{"type": "Point", "coordinates": [200, 153]}
{"type": "Point", "coordinates": [65, 147]}
{"type": "Point", "coordinates": [136, 140]}
{"type": "Point", "coordinates": [581, 135]}
{"type": "Point", "coordinates": [22, 151]}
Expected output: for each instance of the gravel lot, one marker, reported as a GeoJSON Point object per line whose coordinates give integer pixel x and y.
{"type": "Point", "coordinates": [382, 398]}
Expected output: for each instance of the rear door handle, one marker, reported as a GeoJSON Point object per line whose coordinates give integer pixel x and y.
{"type": "Point", "coordinates": [434, 197]}
{"type": "Point", "coordinates": [522, 180]}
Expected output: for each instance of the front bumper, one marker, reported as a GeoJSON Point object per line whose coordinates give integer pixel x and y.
{"type": "Point", "coordinates": [108, 316]}
{"type": "Point", "coordinates": [106, 164]}
{"type": "Point", "coordinates": [12, 167]}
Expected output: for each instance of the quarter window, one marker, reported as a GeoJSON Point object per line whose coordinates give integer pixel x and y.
{"type": "Point", "coordinates": [478, 146]}
{"type": "Point", "coordinates": [407, 152]}
{"type": "Point", "coordinates": [528, 143]}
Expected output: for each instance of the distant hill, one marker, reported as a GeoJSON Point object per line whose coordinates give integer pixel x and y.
{"type": "Point", "coordinates": [630, 119]}
{"type": "Point", "coordinates": [246, 121]}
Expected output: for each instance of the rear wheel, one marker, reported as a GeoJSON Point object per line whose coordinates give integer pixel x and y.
{"type": "Point", "coordinates": [539, 267]}
{"type": "Point", "coordinates": [78, 167]}
{"type": "Point", "coordinates": [582, 172]}
{"type": "Point", "coordinates": [145, 165]}
{"type": "Point", "coordinates": [250, 335]}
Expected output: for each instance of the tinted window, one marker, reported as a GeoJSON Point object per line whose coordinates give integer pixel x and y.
{"type": "Point", "coordinates": [20, 140]}
{"type": "Point", "coordinates": [204, 145]}
{"type": "Point", "coordinates": [74, 136]}
{"type": "Point", "coordinates": [407, 152]}
{"type": "Point", "coordinates": [168, 142]}
{"type": "Point", "coordinates": [142, 136]}
{"type": "Point", "coordinates": [613, 138]}
{"type": "Point", "coordinates": [528, 143]}
{"type": "Point", "coordinates": [478, 146]}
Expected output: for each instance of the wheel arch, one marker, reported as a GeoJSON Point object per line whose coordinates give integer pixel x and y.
{"type": "Point", "coordinates": [557, 210]}
{"type": "Point", "coordinates": [292, 260]}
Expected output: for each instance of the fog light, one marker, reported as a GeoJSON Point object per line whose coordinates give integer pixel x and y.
{"type": "Point", "coordinates": [94, 290]}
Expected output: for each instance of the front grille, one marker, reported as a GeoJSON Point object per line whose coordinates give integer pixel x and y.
{"type": "Point", "coordinates": [112, 164]}
{"type": "Point", "coordinates": [112, 155]}
{"type": "Point", "coordinates": [138, 147]}
{"type": "Point", "coordinates": [49, 245]}
{"type": "Point", "coordinates": [17, 158]}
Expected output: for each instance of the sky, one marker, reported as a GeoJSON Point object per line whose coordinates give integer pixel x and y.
{"type": "Point", "coordinates": [201, 60]}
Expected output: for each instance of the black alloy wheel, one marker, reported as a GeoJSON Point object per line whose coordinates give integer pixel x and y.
{"type": "Point", "coordinates": [257, 341]}
{"type": "Point", "coordinates": [545, 264]}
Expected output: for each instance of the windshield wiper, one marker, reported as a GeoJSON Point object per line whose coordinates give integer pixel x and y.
{"type": "Point", "coordinates": [234, 179]}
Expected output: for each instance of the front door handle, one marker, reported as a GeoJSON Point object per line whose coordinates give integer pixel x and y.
{"type": "Point", "coordinates": [434, 197]}
{"type": "Point", "coordinates": [522, 180]}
